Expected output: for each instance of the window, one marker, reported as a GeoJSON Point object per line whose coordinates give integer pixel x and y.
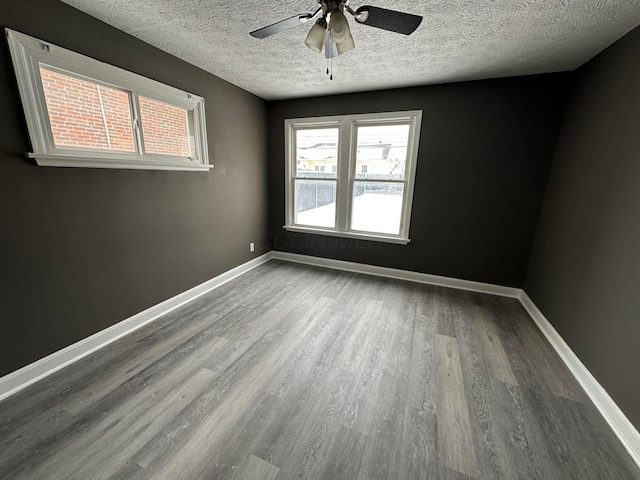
{"type": "Point", "coordinates": [352, 175]}
{"type": "Point", "coordinates": [84, 113]}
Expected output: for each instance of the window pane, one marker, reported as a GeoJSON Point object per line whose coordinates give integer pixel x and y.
{"type": "Point", "coordinates": [165, 128]}
{"type": "Point", "coordinates": [84, 114]}
{"type": "Point", "coordinates": [382, 152]}
{"type": "Point", "coordinates": [317, 152]}
{"type": "Point", "coordinates": [315, 203]}
{"type": "Point", "coordinates": [377, 207]}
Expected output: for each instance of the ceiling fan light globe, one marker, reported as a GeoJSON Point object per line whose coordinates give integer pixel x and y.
{"type": "Point", "coordinates": [339, 27]}
{"type": "Point", "coordinates": [346, 46]}
{"type": "Point", "coordinates": [315, 38]}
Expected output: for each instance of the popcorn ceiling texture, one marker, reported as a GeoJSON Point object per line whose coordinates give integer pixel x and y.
{"type": "Point", "coordinates": [457, 40]}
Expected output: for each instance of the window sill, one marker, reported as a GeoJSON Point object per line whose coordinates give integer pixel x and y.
{"type": "Point", "coordinates": [93, 161]}
{"type": "Point", "coordinates": [357, 236]}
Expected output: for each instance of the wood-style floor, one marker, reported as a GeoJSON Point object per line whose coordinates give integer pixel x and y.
{"type": "Point", "coordinates": [297, 372]}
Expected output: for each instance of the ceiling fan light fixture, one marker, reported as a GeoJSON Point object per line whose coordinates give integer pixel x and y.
{"type": "Point", "coordinates": [315, 37]}
{"type": "Point", "coordinates": [346, 46]}
{"type": "Point", "coordinates": [339, 27]}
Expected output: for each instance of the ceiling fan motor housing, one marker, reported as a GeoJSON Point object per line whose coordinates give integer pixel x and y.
{"type": "Point", "coordinates": [329, 6]}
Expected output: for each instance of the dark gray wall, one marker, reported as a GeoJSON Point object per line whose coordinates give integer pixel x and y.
{"type": "Point", "coordinates": [82, 249]}
{"type": "Point", "coordinates": [483, 161]}
{"type": "Point", "coordinates": [584, 272]}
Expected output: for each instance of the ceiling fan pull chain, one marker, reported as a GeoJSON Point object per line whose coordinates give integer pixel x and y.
{"type": "Point", "coordinates": [331, 76]}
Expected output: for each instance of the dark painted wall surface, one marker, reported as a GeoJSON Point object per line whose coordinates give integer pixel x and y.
{"type": "Point", "coordinates": [584, 272]}
{"type": "Point", "coordinates": [483, 161]}
{"type": "Point", "coordinates": [82, 249]}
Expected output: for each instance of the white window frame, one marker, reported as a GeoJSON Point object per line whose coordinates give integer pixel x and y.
{"type": "Point", "coordinates": [28, 53]}
{"type": "Point", "coordinates": [346, 174]}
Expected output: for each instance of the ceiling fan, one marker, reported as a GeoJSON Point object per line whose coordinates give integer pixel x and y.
{"type": "Point", "coordinates": [331, 29]}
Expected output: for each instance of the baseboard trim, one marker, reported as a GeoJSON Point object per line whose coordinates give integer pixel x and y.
{"type": "Point", "coordinates": [400, 274]}
{"type": "Point", "coordinates": [19, 379]}
{"type": "Point", "coordinates": [617, 420]}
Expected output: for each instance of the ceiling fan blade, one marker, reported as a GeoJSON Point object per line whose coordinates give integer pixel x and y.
{"type": "Point", "coordinates": [391, 20]}
{"type": "Point", "coordinates": [282, 25]}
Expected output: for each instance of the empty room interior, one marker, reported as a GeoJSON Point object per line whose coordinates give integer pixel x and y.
{"type": "Point", "coordinates": [320, 240]}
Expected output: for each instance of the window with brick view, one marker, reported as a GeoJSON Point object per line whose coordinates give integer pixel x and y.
{"type": "Point", "coordinates": [84, 113]}
{"type": "Point", "coordinates": [166, 128]}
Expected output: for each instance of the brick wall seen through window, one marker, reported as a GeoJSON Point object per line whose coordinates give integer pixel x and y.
{"type": "Point", "coordinates": [84, 114]}
{"type": "Point", "coordinates": [166, 128]}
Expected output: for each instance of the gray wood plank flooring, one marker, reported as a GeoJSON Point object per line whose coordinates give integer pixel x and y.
{"type": "Point", "coordinates": [455, 437]}
{"type": "Point", "coordinates": [298, 372]}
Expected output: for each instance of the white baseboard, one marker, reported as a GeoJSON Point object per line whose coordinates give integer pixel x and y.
{"type": "Point", "coordinates": [400, 274]}
{"type": "Point", "coordinates": [619, 423]}
{"type": "Point", "coordinates": [19, 379]}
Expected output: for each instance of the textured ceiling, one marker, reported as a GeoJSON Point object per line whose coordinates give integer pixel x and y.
{"type": "Point", "coordinates": [457, 40]}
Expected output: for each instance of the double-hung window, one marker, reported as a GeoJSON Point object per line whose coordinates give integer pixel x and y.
{"type": "Point", "coordinates": [84, 113]}
{"type": "Point", "coordinates": [352, 175]}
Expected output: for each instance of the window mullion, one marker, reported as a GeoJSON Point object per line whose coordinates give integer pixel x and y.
{"type": "Point", "coordinates": [137, 123]}
{"type": "Point", "coordinates": [344, 176]}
